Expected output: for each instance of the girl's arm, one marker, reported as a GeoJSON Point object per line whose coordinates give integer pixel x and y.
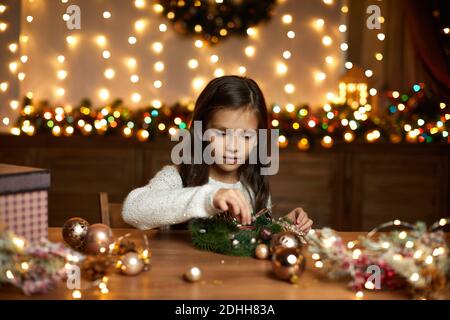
{"type": "Point", "coordinates": [164, 201]}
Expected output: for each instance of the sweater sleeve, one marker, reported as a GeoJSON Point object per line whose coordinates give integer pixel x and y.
{"type": "Point", "coordinates": [164, 201]}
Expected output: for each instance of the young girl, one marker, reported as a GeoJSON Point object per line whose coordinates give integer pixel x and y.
{"type": "Point", "coordinates": [179, 193]}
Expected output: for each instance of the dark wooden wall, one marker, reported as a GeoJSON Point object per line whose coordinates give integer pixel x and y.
{"type": "Point", "coordinates": [348, 187]}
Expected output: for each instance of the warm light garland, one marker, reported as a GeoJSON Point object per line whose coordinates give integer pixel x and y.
{"type": "Point", "coordinates": [416, 259]}
{"type": "Point", "coordinates": [282, 68]}
{"type": "Point", "coordinates": [335, 122]}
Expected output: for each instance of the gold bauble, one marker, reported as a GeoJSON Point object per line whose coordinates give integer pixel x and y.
{"type": "Point", "coordinates": [131, 264]}
{"type": "Point", "coordinates": [74, 233]}
{"type": "Point", "coordinates": [288, 264]}
{"type": "Point", "coordinates": [286, 239]}
{"type": "Point", "coordinates": [262, 251]}
{"type": "Point", "coordinates": [193, 274]}
{"type": "Point", "coordinates": [98, 238]}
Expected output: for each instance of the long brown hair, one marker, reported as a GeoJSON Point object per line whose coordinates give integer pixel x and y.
{"type": "Point", "coordinates": [230, 92]}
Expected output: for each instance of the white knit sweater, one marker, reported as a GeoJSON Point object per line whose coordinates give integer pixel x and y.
{"type": "Point", "coordinates": [164, 201]}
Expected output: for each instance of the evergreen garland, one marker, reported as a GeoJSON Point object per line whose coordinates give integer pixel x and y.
{"type": "Point", "coordinates": [218, 235]}
{"type": "Point", "coordinates": [416, 117]}
{"type": "Point", "coordinates": [214, 21]}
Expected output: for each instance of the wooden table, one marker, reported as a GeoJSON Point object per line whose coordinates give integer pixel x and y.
{"type": "Point", "coordinates": [224, 277]}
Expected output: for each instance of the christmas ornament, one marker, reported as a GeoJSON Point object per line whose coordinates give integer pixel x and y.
{"type": "Point", "coordinates": [193, 274]}
{"type": "Point", "coordinates": [124, 245]}
{"type": "Point", "coordinates": [288, 263]}
{"type": "Point", "coordinates": [284, 239]}
{"type": "Point", "coordinates": [37, 268]}
{"type": "Point", "coordinates": [131, 264]}
{"type": "Point", "coordinates": [295, 229]}
{"type": "Point", "coordinates": [262, 251]}
{"type": "Point", "coordinates": [74, 233]}
{"type": "Point", "coordinates": [98, 238]}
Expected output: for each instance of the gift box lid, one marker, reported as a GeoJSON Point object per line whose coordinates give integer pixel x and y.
{"type": "Point", "coordinates": [15, 179]}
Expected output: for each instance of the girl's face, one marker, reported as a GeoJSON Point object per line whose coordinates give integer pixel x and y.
{"type": "Point", "coordinates": [234, 135]}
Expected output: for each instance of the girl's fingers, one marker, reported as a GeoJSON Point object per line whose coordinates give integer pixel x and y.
{"type": "Point", "coordinates": [246, 218]}
{"type": "Point", "coordinates": [304, 222]}
{"type": "Point", "coordinates": [242, 218]}
{"type": "Point", "coordinates": [235, 210]}
{"type": "Point", "coordinates": [291, 216]}
{"type": "Point", "coordinates": [307, 225]}
{"type": "Point", "coordinates": [301, 220]}
{"type": "Point", "coordinates": [239, 203]}
{"type": "Point", "coordinates": [300, 215]}
{"type": "Point", "coordinates": [223, 205]}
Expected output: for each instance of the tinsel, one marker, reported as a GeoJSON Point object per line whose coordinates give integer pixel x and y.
{"type": "Point", "coordinates": [416, 258]}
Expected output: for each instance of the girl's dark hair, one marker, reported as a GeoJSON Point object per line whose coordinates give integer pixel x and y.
{"type": "Point", "coordinates": [230, 92]}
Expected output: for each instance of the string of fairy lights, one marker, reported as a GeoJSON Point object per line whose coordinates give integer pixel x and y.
{"type": "Point", "coordinates": [408, 244]}
{"type": "Point", "coordinates": [72, 39]}
{"type": "Point", "coordinates": [356, 92]}
{"type": "Point", "coordinates": [356, 88]}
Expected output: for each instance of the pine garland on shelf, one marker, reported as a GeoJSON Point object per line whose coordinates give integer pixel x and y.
{"type": "Point", "coordinates": [417, 117]}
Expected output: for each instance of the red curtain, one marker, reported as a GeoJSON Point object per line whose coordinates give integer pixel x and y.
{"type": "Point", "coordinates": [425, 35]}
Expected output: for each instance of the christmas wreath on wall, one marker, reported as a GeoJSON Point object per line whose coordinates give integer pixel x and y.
{"type": "Point", "coordinates": [215, 20]}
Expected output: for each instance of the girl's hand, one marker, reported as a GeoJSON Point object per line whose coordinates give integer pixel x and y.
{"type": "Point", "coordinates": [299, 217]}
{"type": "Point", "coordinates": [233, 201]}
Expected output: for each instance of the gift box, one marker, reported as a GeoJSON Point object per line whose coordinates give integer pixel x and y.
{"type": "Point", "coordinates": [24, 201]}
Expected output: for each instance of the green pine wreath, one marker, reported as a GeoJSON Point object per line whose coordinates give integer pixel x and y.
{"type": "Point", "coordinates": [214, 20]}
{"type": "Point", "coordinates": [219, 235]}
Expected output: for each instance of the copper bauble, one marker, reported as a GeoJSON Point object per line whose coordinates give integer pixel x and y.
{"type": "Point", "coordinates": [262, 251]}
{"type": "Point", "coordinates": [74, 232]}
{"type": "Point", "coordinates": [284, 239]}
{"type": "Point", "coordinates": [288, 263]}
{"type": "Point", "coordinates": [98, 239]}
{"type": "Point", "coordinates": [131, 264]}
